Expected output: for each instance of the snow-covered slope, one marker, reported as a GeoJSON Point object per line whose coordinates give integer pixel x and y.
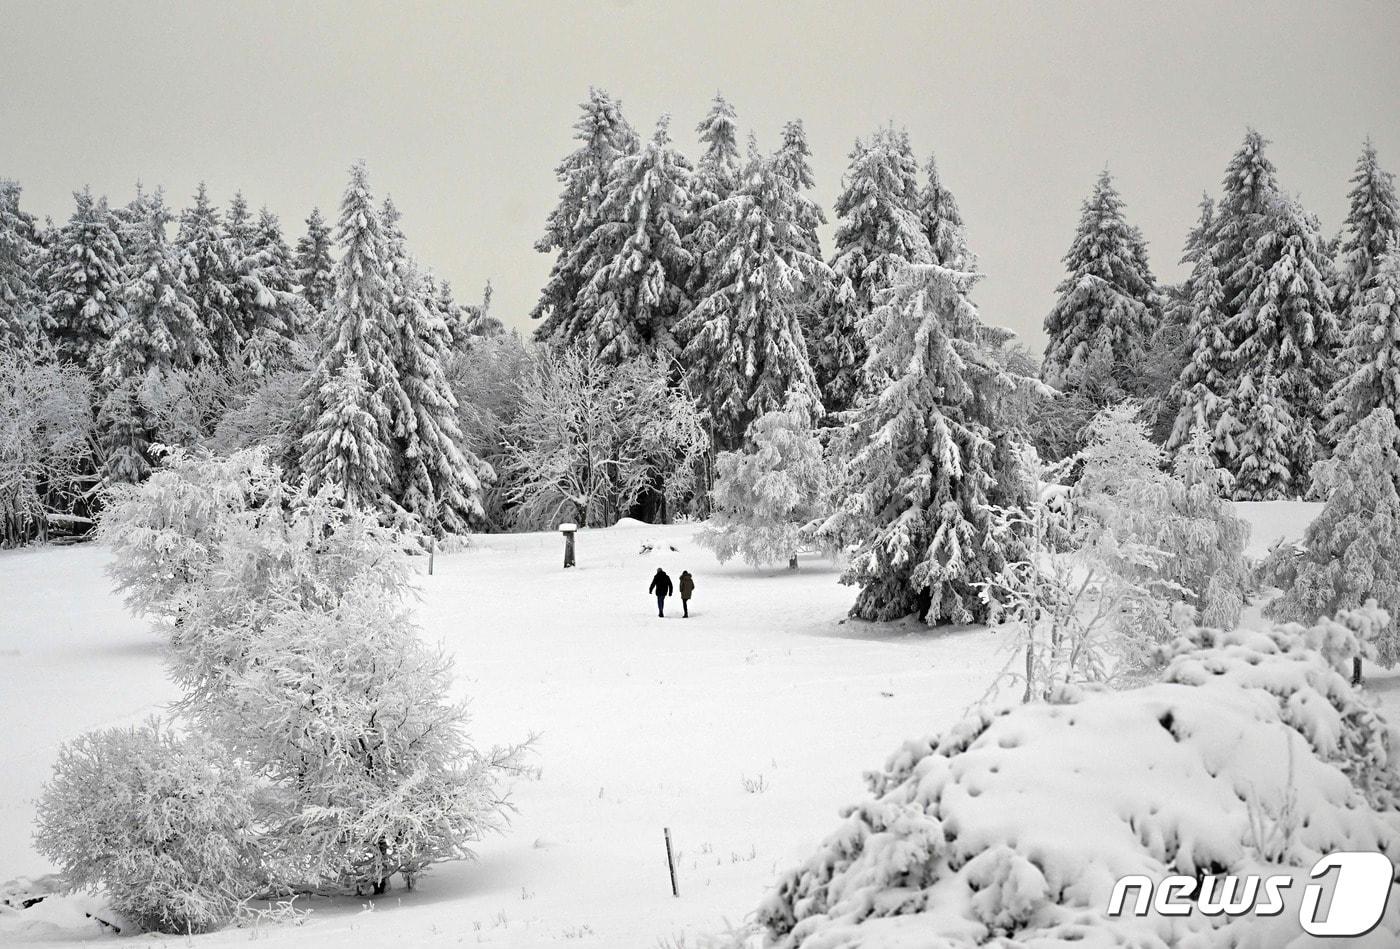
{"type": "Point", "coordinates": [742, 729]}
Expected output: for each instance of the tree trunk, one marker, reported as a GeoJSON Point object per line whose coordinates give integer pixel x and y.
{"type": "Point", "coordinates": [792, 562]}
{"type": "Point", "coordinates": [1356, 671]}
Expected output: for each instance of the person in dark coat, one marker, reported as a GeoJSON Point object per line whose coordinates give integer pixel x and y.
{"type": "Point", "coordinates": [661, 586]}
{"type": "Point", "coordinates": [687, 587]}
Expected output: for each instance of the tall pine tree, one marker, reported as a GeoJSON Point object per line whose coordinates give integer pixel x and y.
{"type": "Point", "coordinates": [271, 313]}
{"type": "Point", "coordinates": [1372, 353]}
{"type": "Point", "coordinates": [1107, 309]}
{"type": "Point", "coordinates": [943, 223]}
{"type": "Point", "coordinates": [584, 173]}
{"type": "Point", "coordinates": [933, 456]}
{"type": "Point", "coordinates": [878, 234]}
{"type": "Point", "coordinates": [207, 258]}
{"type": "Point", "coordinates": [1373, 221]}
{"type": "Point", "coordinates": [20, 258]}
{"type": "Point", "coordinates": [343, 449]}
{"type": "Point", "coordinates": [746, 353]}
{"type": "Point", "coordinates": [82, 279]}
{"type": "Point", "coordinates": [315, 269]}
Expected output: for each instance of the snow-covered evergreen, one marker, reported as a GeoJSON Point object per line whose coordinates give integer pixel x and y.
{"type": "Point", "coordinates": [1262, 438]}
{"type": "Point", "coordinates": [204, 250]}
{"type": "Point", "coordinates": [1371, 356]}
{"type": "Point", "coordinates": [315, 268]}
{"type": "Point", "coordinates": [344, 449]}
{"type": "Point", "coordinates": [1206, 379]}
{"type": "Point", "coordinates": [1372, 223]}
{"type": "Point", "coordinates": [83, 277]}
{"type": "Point", "coordinates": [1249, 197]}
{"type": "Point", "coordinates": [634, 264]}
{"type": "Point", "coordinates": [1107, 308]}
{"type": "Point", "coordinates": [717, 176]}
{"type": "Point", "coordinates": [271, 313]}
{"type": "Point", "coordinates": [943, 223]}
{"type": "Point", "coordinates": [20, 257]}
{"type": "Point", "coordinates": [605, 136]}
{"type": "Point", "coordinates": [878, 233]}
{"type": "Point", "coordinates": [931, 457]}
{"type": "Point", "coordinates": [1348, 552]}
{"type": "Point", "coordinates": [746, 353]}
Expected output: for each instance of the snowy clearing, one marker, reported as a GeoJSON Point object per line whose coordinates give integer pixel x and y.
{"type": "Point", "coordinates": [743, 729]}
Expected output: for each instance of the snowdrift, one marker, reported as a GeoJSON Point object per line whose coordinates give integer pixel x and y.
{"type": "Point", "coordinates": [1254, 753]}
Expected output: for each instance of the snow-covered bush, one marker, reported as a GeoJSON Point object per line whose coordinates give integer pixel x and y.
{"type": "Point", "coordinates": [161, 822]}
{"type": "Point", "coordinates": [1253, 755]}
{"type": "Point", "coordinates": [347, 710]}
{"type": "Point", "coordinates": [590, 439]}
{"type": "Point", "coordinates": [46, 431]}
{"type": "Point", "coordinates": [266, 415]}
{"type": "Point", "coordinates": [766, 497]}
{"type": "Point", "coordinates": [1348, 554]}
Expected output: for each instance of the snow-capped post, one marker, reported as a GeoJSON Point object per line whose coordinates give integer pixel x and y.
{"type": "Point", "coordinates": [671, 863]}
{"type": "Point", "coordinates": [568, 530]}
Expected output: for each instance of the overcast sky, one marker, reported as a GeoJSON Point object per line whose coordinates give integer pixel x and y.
{"type": "Point", "coordinates": [462, 110]}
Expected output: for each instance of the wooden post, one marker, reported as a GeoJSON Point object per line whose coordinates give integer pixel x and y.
{"type": "Point", "coordinates": [671, 864]}
{"type": "Point", "coordinates": [432, 552]}
{"type": "Point", "coordinates": [568, 531]}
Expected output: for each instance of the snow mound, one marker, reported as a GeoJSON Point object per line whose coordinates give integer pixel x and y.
{"type": "Point", "coordinates": [627, 522]}
{"type": "Point", "coordinates": [1254, 754]}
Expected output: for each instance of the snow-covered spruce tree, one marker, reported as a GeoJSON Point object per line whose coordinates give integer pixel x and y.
{"type": "Point", "coordinates": [1261, 437]}
{"type": "Point", "coordinates": [1108, 305]}
{"type": "Point", "coordinates": [125, 434]}
{"type": "Point", "coordinates": [943, 223]}
{"type": "Point", "coordinates": [162, 823]}
{"type": "Point", "coordinates": [160, 327]}
{"type": "Point", "coordinates": [203, 247]}
{"type": "Point", "coordinates": [1204, 540]}
{"type": "Point", "coordinates": [792, 160]}
{"type": "Point", "coordinates": [1249, 197]}
{"type": "Point", "coordinates": [315, 269]}
{"type": "Point", "coordinates": [82, 280]}
{"type": "Point", "coordinates": [878, 234]}
{"type": "Point", "coordinates": [931, 458]}
{"type": "Point", "coordinates": [270, 312]}
{"type": "Point", "coordinates": [344, 449]}
{"type": "Point", "coordinates": [767, 497]}
{"type": "Point", "coordinates": [349, 712]}
{"type": "Point", "coordinates": [358, 324]}
{"type": "Point", "coordinates": [1205, 382]}
{"type": "Point", "coordinates": [1372, 223]}
{"type": "Point", "coordinates": [1287, 323]}
{"type": "Point", "coordinates": [1371, 356]}
{"type": "Point", "coordinates": [21, 255]}
{"type": "Point", "coordinates": [1253, 756]}
{"type": "Point", "coordinates": [635, 264]}
{"type": "Point", "coordinates": [438, 480]}
{"type": "Point", "coordinates": [605, 136]}
{"type": "Point", "coordinates": [1349, 548]}
{"type": "Point", "coordinates": [717, 176]}
{"type": "Point", "coordinates": [746, 353]}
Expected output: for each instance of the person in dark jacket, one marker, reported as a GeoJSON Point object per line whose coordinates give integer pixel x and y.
{"type": "Point", "coordinates": [661, 586]}
{"type": "Point", "coordinates": [687, 587]}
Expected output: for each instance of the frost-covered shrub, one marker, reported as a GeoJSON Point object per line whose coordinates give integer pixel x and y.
{"type": "Point", "coordinates": [1254, 755]}
{"type": "Point", "coordinates": [348, 712]}
{"type": "Point", "coordinates": [1349, 552]}
{"type": "Point", "coordinates": [160, 822]}
{"type": "Point", "coordinates": [766, 497]}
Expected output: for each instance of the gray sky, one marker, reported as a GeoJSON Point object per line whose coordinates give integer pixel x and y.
{"type": "Point", "coordinates": [462, 110]}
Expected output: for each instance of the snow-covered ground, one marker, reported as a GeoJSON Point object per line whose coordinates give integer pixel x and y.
{"type": "Point", "coordinates": [743, 729]}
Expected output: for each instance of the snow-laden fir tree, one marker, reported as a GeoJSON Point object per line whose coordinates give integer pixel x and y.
{"type": "Point", "coordinates": [82, 278]}
{"type": "Point", "coordinates": [943, 223]}
{"type": "Point", "coordinates": [1107, 308]}
{"type": "Point", "coordinates": [766, 498]}
{"type": "Point", "coordinates": [207, 258]}
{"type": "Point", "coordinates": [717, 176]}
{"type": "Point", "coordinates": [21, 255]}
{"type": "Point", "coordinates": [1371, 356]}
{"type": "Point", "coordinates": [932, 457]}
{"type": "Point", "coordinates": [358, 325]}
{"type": "Point", "coordinates": [315, 268]}
{"type": "Point", "coordinates": [1261, 440]}
{"type": "Point", "coordinates": [344, 448]}
{"type": "Point", "coordinates": [1348, 552]}
{"type": "Point", "coordinates": [1205, 381]}
{"type": "Point", "coordinates": [746, 353]}
{"type": "Point", "coordinates": [438, 480]}
{"type": "Point", "coordinates": [1372, 222]}
{"type": "Point", "coordinates": [1249, 197]}
{"type": "Point", "coordinates": [159, 327]}
{"type": "Point", "coordinates": [635, 264]}
{"type": "Point", "coordinates": [793, 161]}
{"type": "Point", "coordinates": [605, 136]}
{"type": "Point", "coordinates": [878, 233]}
{"type": "Point", "coordinates": [271, 312]}
{"type": "Point", "coordinates": [1286, 323]}
{"type": "Point", "coordinates": [125, 433]}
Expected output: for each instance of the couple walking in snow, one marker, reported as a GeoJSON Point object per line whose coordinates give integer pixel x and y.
{"type": "Point", "coordinates": [661, 586]}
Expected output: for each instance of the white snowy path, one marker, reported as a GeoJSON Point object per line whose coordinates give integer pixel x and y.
{"type": "Point", "coordinates": [645, 723]}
